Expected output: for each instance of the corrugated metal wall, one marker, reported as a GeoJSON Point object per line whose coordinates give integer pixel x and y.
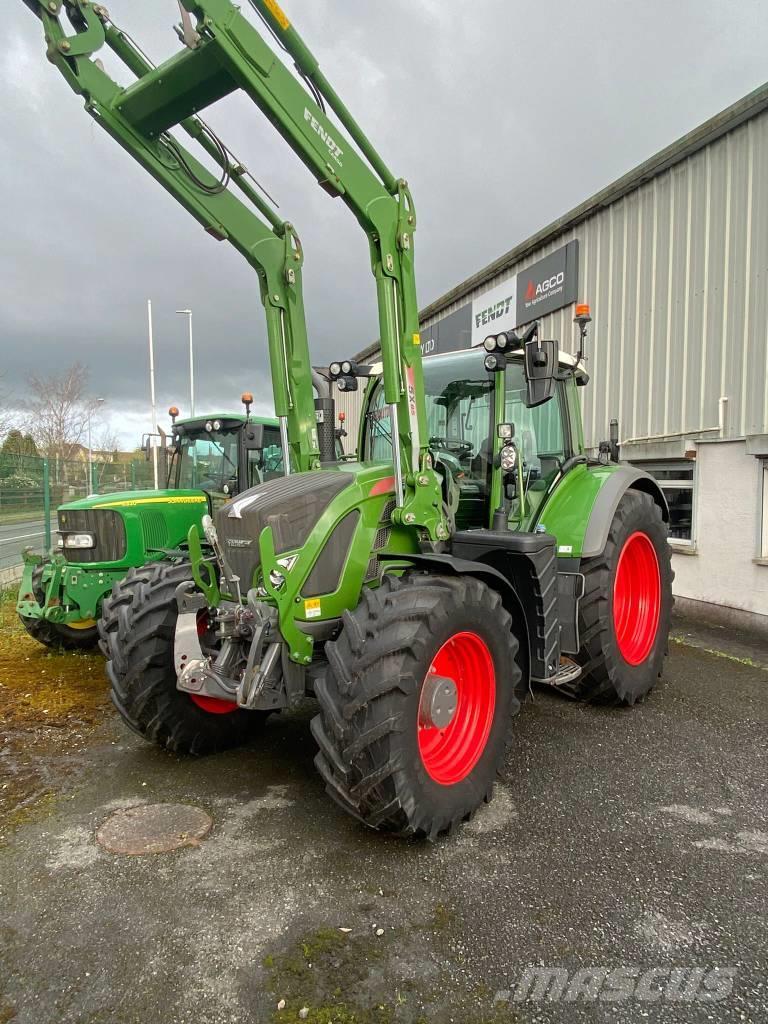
{"type": "Point", "coordinates": [676, 273]}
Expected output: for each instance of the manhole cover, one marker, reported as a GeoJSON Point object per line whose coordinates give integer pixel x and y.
{"type": "Point", "coordinates": [154, 828]}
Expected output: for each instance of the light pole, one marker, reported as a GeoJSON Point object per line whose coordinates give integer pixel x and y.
{"type": "Point", "coordinates": [188, 313]}
{"type": "Point", "coordinates": [96, 403]}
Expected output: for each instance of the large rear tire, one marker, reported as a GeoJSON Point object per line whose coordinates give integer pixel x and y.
{"type": "Point", "coordinates": [59, 636]}
{"type": "Point", "coordinates": [136, 630]}
{"type": "Point", "coordinates": [625, 612]}
{"type": "Point", "coordinates": [381, 756]}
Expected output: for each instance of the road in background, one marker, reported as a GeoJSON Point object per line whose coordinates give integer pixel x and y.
{"type": "Point", "coordinates": [16, 536]}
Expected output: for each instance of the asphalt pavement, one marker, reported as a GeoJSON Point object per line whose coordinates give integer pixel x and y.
{"type": "Point", "coordinates": [14, 537]}
{"type": "Point", "coordinates": [624, 850]}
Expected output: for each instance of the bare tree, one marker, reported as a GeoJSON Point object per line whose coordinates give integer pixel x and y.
{"type": "Point", "coordinates": [7, 417]}
{"type": "Point", "coordinates": [106, 442]}
{"type": "Point", "coordinates": [58, 411]}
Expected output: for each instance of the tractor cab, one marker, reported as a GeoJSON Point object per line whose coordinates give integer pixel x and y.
{"type": "Point", "coordinates": [464, 412]}
{"type": "Point", "coordinates": [224, 454]}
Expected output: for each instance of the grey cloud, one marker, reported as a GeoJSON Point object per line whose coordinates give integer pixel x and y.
{"type": "Point", "coordinates": [501, 116]}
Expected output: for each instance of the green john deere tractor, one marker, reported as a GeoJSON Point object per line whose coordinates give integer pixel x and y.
{"type": "Point", "coordinates": [473, 549]}
{"type": "Point", "coordinates": [101, 537]}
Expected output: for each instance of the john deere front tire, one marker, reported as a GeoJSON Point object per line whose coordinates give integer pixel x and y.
{"type": "Point", "coordinates": [137, 629]}
{"type": "Point", "coordinates": [59, 636]}
{"type": "Point", "coordinates": [417, 703]}
{"type": "Point", "coordinates": [625, 612]}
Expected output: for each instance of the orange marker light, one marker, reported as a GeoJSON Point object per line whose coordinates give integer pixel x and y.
{"type": "Point", "coordinates": [342, 417]}
{"type": "Point", "coordinates": [246, 398]}
{"type": "Point", "coordinates": [582, 309]}
{"type": "Point", "coordinates": [173, 412]}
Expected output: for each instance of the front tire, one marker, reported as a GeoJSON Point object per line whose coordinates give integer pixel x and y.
{"type": "Point", "coordinates": [627, 605]}
{"type": "Point", "coordinates": [381, 756]}
{"type": "Point", "coordinates": [137, 629]}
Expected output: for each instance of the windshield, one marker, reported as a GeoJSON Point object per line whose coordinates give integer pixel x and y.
{"type": "Point", "coordinates": [208, 461]}
{"type": "Point", "coordinates": [460, 417]}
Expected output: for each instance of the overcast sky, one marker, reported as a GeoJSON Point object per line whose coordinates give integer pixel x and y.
{"type": "Point", "coordinates": [502, 116]}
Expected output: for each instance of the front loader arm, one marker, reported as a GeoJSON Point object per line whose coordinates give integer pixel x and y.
{"type": "Point", "coordinates": [272, 249]}
{"type": "Point", "coordinates": [225, 52]}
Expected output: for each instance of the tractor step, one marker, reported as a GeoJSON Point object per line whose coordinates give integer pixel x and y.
{"type": "Point", "coordinates": [568, 672]}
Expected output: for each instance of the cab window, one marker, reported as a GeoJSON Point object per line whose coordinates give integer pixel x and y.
{"type": "Point", "coordinates": [459, 406]}
{"type": "Point", "coordinates": [266, 463]}
{"type": "Point", "coordinates": [541, 436]}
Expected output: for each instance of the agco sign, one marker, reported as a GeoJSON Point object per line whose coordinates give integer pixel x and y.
{"type": "Point", "coordinates": [537, 291]}
{"type": "Point", "coordinates": [549, 284]}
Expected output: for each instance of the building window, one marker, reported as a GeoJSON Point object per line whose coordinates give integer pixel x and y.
{"type": "Point", "coordinates": [676, 477]}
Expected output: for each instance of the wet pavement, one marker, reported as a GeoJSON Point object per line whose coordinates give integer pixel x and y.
{"type": "Point", "coordinates": [618, 840]}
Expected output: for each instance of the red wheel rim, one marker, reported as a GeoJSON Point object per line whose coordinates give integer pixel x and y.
{"type": "Point", "coordinates": [450, 754]}
{"type": "Point", "coordinates": [212, 705]}
{"type": "Point", "coordinates": [637, 598]}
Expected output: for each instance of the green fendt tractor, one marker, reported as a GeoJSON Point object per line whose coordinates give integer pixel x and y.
{"type": "Point", "coordinates": [101, 537]}
{"type": "Point", "coordinates": [474, 547]}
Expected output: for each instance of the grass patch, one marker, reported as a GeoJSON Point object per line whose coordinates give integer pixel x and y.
{"type": "Point", "coordinates": [39, 686]}
{"type": "Point", "coordinates": [48, 700]}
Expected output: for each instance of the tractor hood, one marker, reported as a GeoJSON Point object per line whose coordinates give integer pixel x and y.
{"type": "Point", "coordinates": [131, 499]}
{"type": "Point", "coordinates": [126, 528]}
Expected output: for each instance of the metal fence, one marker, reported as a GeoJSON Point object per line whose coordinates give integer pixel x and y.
{"type": "Point", "coordinates": [32, 488]}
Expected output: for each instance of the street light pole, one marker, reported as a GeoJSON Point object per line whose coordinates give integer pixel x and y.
{"type": "Point", "coordinates": [188, 313]}
{"type": "Point", "coordinates": [98, 402]}
{"type": "Point", "coordinates": [155, 474]}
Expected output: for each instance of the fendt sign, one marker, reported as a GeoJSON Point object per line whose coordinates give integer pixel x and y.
{"type": "Point", "coordinates": [549, 284]}
{"type": "Point", "coordinates": [542, 288]}
{"type": "Point", "coordinates": [494, 311]}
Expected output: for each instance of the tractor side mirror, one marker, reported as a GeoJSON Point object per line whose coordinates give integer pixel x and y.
{"type": "Point", "coordinates": [253, 436]}
{"type": "Point", "coordinates": [541, 362]}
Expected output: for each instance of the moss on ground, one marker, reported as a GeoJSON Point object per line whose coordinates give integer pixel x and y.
{"type": "Point", "coordinates": [47, 700]}
{"type": "Point", "coordinates": [337, 977]}
{"type": "Point", "coordinates": [43, 687]}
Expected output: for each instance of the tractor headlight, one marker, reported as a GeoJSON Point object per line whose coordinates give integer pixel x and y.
{"type": "Point", "coordinates": [489, 344]}
{"type": "Point", "coordinates": [80, 540]}
{"type": "Point", "coordinates": [217, 424]}
{"type": "Point", "coordinates": [346, 367]}
{"type": "Point", "coordinates": [506, 431]}
{"type": "Point", "coordinates": [209, 425]}
{"type": "Point", "coordinates": [335, 369]}
{"type": "Point", "coordinates": [491, 363]}
{"type": "Point", "coordinates": [502, 341]}
{"type": "Point", "coordinates": [508, 458]}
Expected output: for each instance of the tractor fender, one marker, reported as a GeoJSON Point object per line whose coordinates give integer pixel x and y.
{"type": "Point", "coordinates": [450, 565]}
{"type": "Point", "coordinates": [615, 486]}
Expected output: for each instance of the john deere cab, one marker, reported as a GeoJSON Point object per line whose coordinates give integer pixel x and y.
{"type": "Point", "coordinates": [472, 550]}
{"type": "Point", "coordinates": [103, 536]}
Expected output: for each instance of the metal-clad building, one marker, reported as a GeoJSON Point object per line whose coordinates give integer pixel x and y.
{"type": "Point", "coordinates": [673, 259]}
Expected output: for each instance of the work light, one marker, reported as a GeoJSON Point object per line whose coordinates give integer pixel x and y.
{"type": "Point", "coordinates": [346, 367]}
{"type": "Point", "coordinates": [335, 369]}
{"type": "Point", "coordinates": [508, 458]}
{"type": "Point", "coordinates": [490, 343]}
